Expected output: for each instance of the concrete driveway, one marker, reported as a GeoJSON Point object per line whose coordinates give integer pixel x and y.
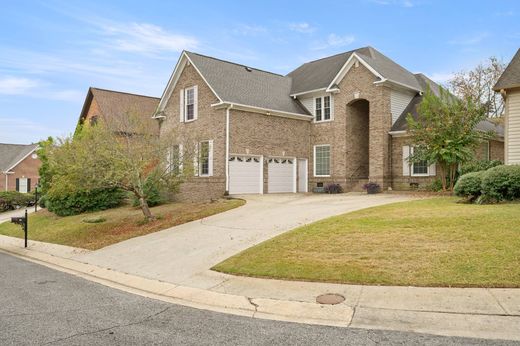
{"type": "Point", "coordinates": [183, 254]}
{"type": "Point", "coordinates": [6, 216]}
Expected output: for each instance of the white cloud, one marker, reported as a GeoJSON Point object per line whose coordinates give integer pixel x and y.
{"type": "Point", "coordinates": [10, 85]}
{"type": "Point", "coordinates": [334, 41]}
{"type": "Point", "coordinates": [23, 131]}
{"type": "Point", "coordinates": [469, 40]}
{"type": "Point", "coordinates": [303, 27]}
{"type": "Point", "coordinates": [249, 30]}
{"type": "Point", "coordinates": [402, 3]}
{"type": "Point", "coordinates": [147, 38]}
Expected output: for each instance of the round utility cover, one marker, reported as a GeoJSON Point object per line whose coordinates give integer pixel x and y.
{"type": "Point", "coordinates": [330, 299]}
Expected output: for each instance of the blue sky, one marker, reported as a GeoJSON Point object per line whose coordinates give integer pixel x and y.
{"type": "Point", "coordinates": [52, 51]}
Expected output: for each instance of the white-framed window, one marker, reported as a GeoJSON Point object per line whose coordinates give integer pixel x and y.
{"type": "Point", "coordinates": [174, 159]}
{"type": "Point", "coordinates": [189, 104]}
{"type": "Point", "coordinates": [484, 151]}
{"type": "Point", "coordinates": [322, 160]}
{"type": "Point", "coordinates": [23, 185]}
{"type": "Point", "coordinates": [420, 168]}
{"type": "Point", "coordinates": [322, 109]}
{"type": "Point", "coordinates": [204, 159]}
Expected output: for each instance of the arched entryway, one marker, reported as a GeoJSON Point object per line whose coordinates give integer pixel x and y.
{"type": "Point", "coordinates": [358, 120]}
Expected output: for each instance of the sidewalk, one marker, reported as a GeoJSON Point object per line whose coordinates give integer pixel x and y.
{"type": "Point", "coordinates": [469, 312]}
{"type": "Point", "coordinates": [7, 215]}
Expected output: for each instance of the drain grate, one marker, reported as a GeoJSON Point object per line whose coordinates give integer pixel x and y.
{"type": "Point", "coordinates": [330, 299]}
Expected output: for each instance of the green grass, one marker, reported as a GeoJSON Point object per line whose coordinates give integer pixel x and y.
{"type": "Point", "coordinates": [113, 225]}
{"type": "Point", "coordinates": [431, 242]}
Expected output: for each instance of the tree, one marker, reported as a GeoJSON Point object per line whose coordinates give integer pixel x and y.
{"type": "Point", "coordinates": [477, 84]}
{"type": "Point", "coordinates": [445, 132]}
{"type": "Point", "coordinates": [124, 153]}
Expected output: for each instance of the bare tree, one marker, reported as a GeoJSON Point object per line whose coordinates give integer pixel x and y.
{"type": "Point", "coordinates": [477, 84]}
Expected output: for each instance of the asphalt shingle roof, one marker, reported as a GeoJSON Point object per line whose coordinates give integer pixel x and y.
{"type": "Point", "coordinates": [113, 104]}
{"type": "Point", "coordinates": [319, 74]}
{"type": "Point", "coordinates": [511, 76]}
{"type": "Point", "coordinates": [247, 86]}
{"type": "Point", "coordinates": [10, 154]}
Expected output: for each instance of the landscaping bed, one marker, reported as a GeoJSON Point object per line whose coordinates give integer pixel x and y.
{"type": "Point", "coordinates": [429, 242]}
{"type": "Point", "coordinates": [99, 229]}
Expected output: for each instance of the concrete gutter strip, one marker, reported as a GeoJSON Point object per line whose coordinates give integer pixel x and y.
{"type": "Point", "coordinates": [376, 308]}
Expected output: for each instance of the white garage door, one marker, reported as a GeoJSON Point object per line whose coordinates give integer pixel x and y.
{"type": "Point", "coordinates": [245, 174]}
{"type": "Point", "coordinates": [281, 175]}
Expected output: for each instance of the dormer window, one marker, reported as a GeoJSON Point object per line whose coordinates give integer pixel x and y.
{"type": "Point", "coordinates": [322, 109]}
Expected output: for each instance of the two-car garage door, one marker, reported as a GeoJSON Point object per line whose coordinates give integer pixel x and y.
{"type": "Point", "coordinates": [246, 174]}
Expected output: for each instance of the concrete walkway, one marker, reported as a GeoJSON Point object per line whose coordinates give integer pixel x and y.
{"type": "Point", "coordinates": [184, 254]}
{"type": "Point", "coordinates": [7, 215]}
{"type": "Point", "coordinates": [469, 312]}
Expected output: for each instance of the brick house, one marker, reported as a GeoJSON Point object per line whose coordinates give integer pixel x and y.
{"type": "Point", "coordinates": [509, 86]}
{"type": "Point", "coordinates": [19, 165]}
{"type": "Point", "coordinates": [339, 119]}
{"type": "Point", "coordinates": [109, 105]}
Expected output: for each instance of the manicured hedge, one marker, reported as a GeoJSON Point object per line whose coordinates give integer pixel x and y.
{"type": "Point", "coordinates": [502, 183]}
{"type": "Point", "coordinates": [478, 166]}
{"type": "Point", "coordinates": [469, 185]}
{"type": "Point", "coordinates": [79, 202]}
{"type": "Point", "coordinates": [10, 200]}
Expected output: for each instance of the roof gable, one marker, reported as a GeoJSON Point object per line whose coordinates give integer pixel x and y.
{"type": "Point", "coordinates": [12, 154]}
{"type": "Point", "coordinates": [510, 78]}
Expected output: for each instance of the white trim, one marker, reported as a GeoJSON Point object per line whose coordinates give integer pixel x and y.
{"type": "Point", "coordinates": [314, 161]}
{"type": "Point", "coordinates": [306, 92]}
{"type": "Point", "coordinates": [306, 173]}
{"type": "Point", "coordinates": [397, 133]}
{"type": "Point", "coordinates": [23, 158]}
{"type": "Point", "coordinates": [390, 81]}
{"type": "Point", "coordinates": [174, 78]}
{"type": "Point", "coordinates": [346, 67]}
{"type": "Point", "coordinates": [227, 148]}
{"type": "Point", "coordinates": [295, 175]}
{"type": "Point", "coordinates": [266, 111]}
{"type": "Point", "coordinates": [412, 174]}
{"type": "Point", "coordinates": [210, 158]}
{"type": "Point", "coordinates": [331, 108]}
{"type": "Point", "coordinates": [261, 175]}
{"type": "Point", "coordinates": [195, 104]}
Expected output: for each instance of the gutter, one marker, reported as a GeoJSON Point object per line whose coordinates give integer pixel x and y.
{"type": "Point", "coordinates": [266, 111]}
{"type": "Point", "coordinates": [227, 147]}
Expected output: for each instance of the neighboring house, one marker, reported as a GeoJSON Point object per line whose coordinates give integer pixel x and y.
{"type": "Point", "coordinates": [109, 105]}
{"type": "Point", "coordinates": [509, 86]}
{"type": "Point", "coordinates": [19, 165]}
{"type": "Point", "coordinates": [338, 119]}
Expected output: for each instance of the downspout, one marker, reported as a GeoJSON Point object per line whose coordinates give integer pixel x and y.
{"type": "Point", "coordinates": [227, 147]}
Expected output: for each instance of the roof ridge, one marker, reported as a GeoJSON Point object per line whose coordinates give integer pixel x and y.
{"type": "Point", "coordinates": [237, 64]}
{"type": "Point", "coordinates": [124, 92]}
{"type": "Point", "coordinates": [25, 145]}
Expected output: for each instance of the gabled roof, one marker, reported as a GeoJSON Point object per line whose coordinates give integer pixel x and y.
{"type": "Point", "coordinates": [243, 85]}
{"type": "Point", "coordinates": [113, 104]}
{"type": "Point", "coordinates": [319, 74]}
{"type": "Point", "coordinates": [12, 154]}
{"type": "Point", "coordinates": [401, 124]}
{"type": "Point", "coordinates": [510, 78]}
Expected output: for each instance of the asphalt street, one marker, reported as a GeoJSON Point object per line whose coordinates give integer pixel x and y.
{"type": "Point", "coordinates": [40, 306]}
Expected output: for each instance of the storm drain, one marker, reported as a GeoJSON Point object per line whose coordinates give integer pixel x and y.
{"type": "Point", "coordinates": [330, 299]}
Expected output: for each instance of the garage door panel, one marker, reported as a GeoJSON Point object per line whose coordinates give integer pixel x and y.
{"type": "Point", "coordinates": [244, 175]}
{"type": "Point", "coordinates": [281, 175]}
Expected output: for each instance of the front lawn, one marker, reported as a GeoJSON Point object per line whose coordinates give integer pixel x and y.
{"type": "Point", "coordinates": [431, 242]}
{"type": "Point", "coordinates": [121, 223]}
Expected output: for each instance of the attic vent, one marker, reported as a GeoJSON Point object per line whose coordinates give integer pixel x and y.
{"type": "Point", "coordinates": [248, 69]}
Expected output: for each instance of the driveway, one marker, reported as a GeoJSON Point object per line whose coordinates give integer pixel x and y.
{"type": "Point", "coordinates": [6, 216]}
{"type": "Point", "coordinates": [184, 254]}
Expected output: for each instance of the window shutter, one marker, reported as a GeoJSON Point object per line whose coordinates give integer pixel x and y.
{"type": "Point", "coordinates": [29, 185]}
{"type": "Point", "coordinates": [196, 160]}
{"type": "Point", "coordinates": [17, 184]}
{"type": "Point", "coordinates": [181, 157]}
{"type": "Point", "coordinates": [210, 159]}
{"type": "Point", "coordinates": [195, 102]}
{"type": "Point", "coordinates": [406, 164]}
{"type": "Point", "coordinates": [181, 106]}
{"type": "Point", "coordinates": [432, 170]}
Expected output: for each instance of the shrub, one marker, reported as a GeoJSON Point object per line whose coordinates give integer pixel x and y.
{"type": "Point", "coordinates": [152, 194]}
{"type": "Point", "coordinates": [10, 200]}
{"type": "Point", "coordinates": [333, 188]}
{"type": "Point", "coordinates": [94, 219]}
{"type": "Point", "coordinates": [501, 183]}
{"type": "Point", "coordinates": [372, 187]}
{"type": "Point", "coordinates": [478, 166]}
{"type": "Point", "coordinates": [469, 185]}
{"type": "Point", "coordinates": [79, 202]}
{"type": "Point", "coordinates": [434, 186]}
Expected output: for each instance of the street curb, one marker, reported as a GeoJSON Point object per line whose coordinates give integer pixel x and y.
{"type": "Point", "coordinates": [486, 326]}
{"type": "Point", "coordinates": [300, 312]}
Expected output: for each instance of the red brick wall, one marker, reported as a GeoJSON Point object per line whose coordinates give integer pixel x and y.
{"type": "Point", "coordinates": [28, 168]}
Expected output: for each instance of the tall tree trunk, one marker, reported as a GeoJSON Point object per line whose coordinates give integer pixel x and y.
{"type": "Point", "coordinates": [146, 210]}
